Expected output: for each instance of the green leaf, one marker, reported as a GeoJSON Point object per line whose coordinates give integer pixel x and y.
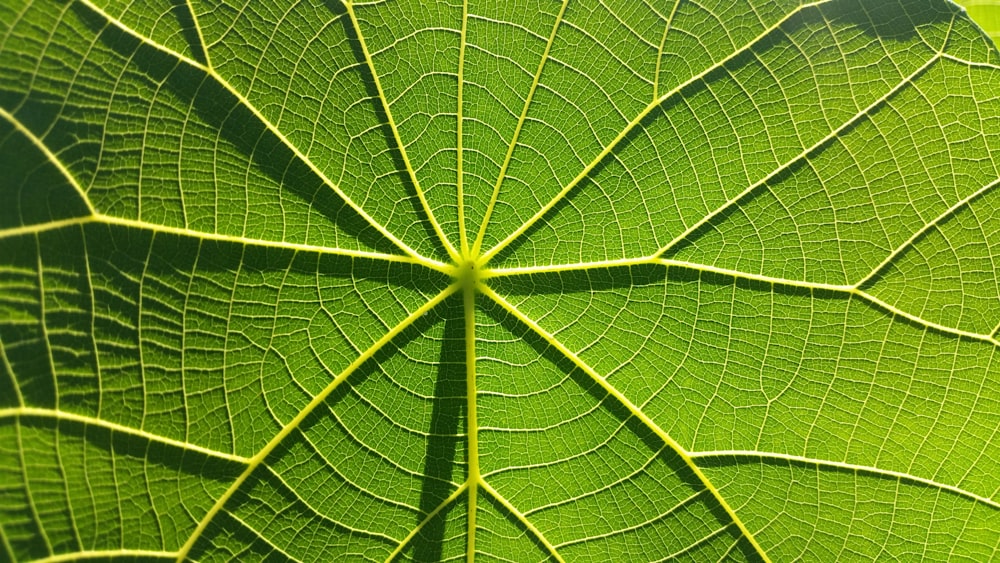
{"type": "Point", "coordinates": [576, 280]}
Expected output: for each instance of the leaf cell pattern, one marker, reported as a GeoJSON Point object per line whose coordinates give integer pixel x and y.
{"type": "Point", "coordinates": [573, 280]}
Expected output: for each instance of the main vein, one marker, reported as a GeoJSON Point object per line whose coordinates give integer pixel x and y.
{"type": "Point", "coordinates": [854, 290]}
{"type": "Point", "coordinates": [474, 479]}
{"type": "Point", "coordinates": [462, 234]}
{"type": "Point", "coordinates": [99, 218]}
{"type": "Point", "coordinates": [477, 246]}
{"type": "Point", "coordinates": [395, 134]}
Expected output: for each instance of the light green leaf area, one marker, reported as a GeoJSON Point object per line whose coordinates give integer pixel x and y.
{"type": "Point", "coordinates": [576, 280]}
{"type": "Point", "coordinates": [986, 13]}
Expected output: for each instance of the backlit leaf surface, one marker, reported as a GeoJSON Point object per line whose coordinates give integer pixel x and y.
{"type": "Point", "coordinates": [568, 280]}
{"type": "Point", "coordinates": [987, 14]}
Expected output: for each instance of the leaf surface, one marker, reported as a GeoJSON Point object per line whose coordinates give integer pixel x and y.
{"type": "Point", "coordinates": [492, 280]}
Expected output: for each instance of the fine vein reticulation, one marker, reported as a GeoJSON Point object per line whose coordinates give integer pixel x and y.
{"type": "Point", "coordinates": [586, 281]}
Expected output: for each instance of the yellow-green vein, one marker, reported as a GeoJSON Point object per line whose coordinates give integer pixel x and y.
{"type": "Point", "coordinates": [7, 547]}
{"type": "Point", "coordinates": [55, 414]}
{"type": "Point", "coordinates": [462, 234]}
{"type": "Point", "coordinates": [245, 241]}
{"type": "Point", "coordinates": [851, 290]}
{"type": "Point", "coordinates": [395, 134]}
{"type": "Point", "coordinates": [104, 554]}
{"type": "Point", "coordinates": [477, 246]}
{"type": "Point", "coordinates": [430, 516]}
{"type": "Point", "coordinates": [41, 146]}
{"type": "Point", "coordinates": [472, 420]}
{"type": "Point", "coordinates": [920, 232]}
{"type": "Point", "coordinates": [524, 520]}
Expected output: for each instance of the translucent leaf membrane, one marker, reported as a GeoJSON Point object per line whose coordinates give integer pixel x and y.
{"type": "Point", "coordinates": [791, 159]}
{"type": "Point", "coordinates": [415, 51]}
{"type": "Point", "coordinates": [599, 73]}
{"type": "Point", "coordinates": [948, 274]}
{"type": "Point", "coordinates": [508, 41]}
{"type": "Point", "coordinates": [900, 182]}
{"type": "Point", "coordinates": [442, 537]}
{"type": "Point", "coordinates": [500, 537]}
{"type": "Point", "coordinates": [541, 419]}
{"type": "Point", "coordinates": [62, 488]}
{"type": "Point", "coordinates": [732, 292]}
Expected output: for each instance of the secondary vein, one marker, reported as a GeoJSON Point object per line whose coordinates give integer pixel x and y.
{"type": "Point", "coordinates": [849, 466]}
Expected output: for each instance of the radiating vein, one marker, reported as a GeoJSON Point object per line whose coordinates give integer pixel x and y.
{"type": "Point", "coordinates": [849, 466]}
{"type": "Point", "coordinates": [56, 414]}
{"type": "Point", "coordinates": [670, 263]}
{"type": "Point", "coordinates": [423, 523]}
{"type": "Point", "coordinates": [395, 134]}
{"type": "Point", "coordinates": [635, 122]}
{"type": "Point", "coordinates": [287, 429]}
{"type": "Point", "coordinates": [272, 128]}
{"type": "Point", "coordinates": [951, 211]}
{"type": "Point", "coordinates": [517, 133]}
{"type": "Point", "coordinates": [924, 322]}
{"type": "Point", "coordinates": [462, 234]}
{"type": "Point", "coordinates": [632, 408]}
{"type": "Point", "coordinates": [41, 146]}
{"type": "Point", "coordinates": [104, 554]}
{"type": "Point", "coordinates": [524, 521]}
{"type": "Point", "coordinates": [99, 218]}
{"type": "Point", "coordinates": [472, 419]}
{"type": "Point", "coordinates": [851, 290]}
